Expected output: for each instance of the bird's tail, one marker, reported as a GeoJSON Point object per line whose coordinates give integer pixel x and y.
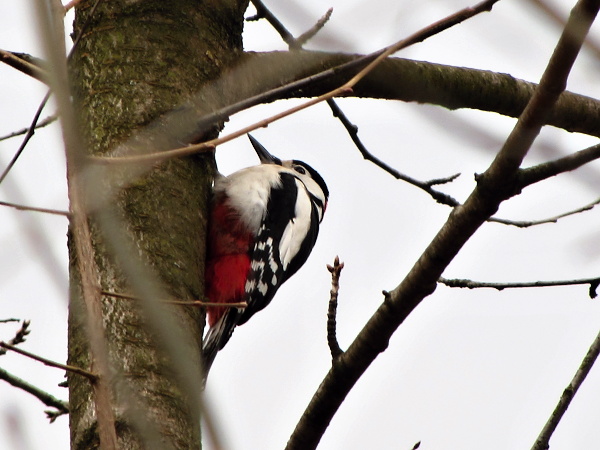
{"type": "Point", "coordinates": [218, 336]}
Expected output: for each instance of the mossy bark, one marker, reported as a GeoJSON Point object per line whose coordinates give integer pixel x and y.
{"type": "Point", "coordinates": [137, 61]}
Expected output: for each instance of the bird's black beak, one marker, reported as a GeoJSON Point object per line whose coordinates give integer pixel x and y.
{"type": "Point", "coordinates": [264, 156]}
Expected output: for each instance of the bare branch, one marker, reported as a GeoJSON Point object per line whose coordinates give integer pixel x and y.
{"type": "Point", "coordinates": [21, 333]}
{"type": "Point", "coordinates": [528, 176]}
{"type": "Point", "coordinates": [34, 124]}
{"type": "Point", "coordinates": [53, 414]}
{"type": "Point", "coordinates": [28, 136]}
{"type": "Point", "coordinates": [470, 284]}
{"type": "Point", "coordinates": [47, 121]}
{"type": "Point", "coordinates": [19, 336]}
{"type": "Point", "coordinates": [336, 271]}
{"type": "Point", "coordinates": [9, 320]}
{"type": "Point", "coordinates": [352, 130]}
{"type": "Point", "coordinates": [308, 35]}
{"type": "Point", "coordinates": [461, 225]}
{"type": "Point", "coordinates": [542, 442]}
{"type": "Point", "coordinates": [89, 375]}
{"type": "Point", "coordinates": [373, 61]}
{"type": "Point", "coordinates": [262, 12]}
{"type": "Point", "coordinates": [554, 219]}
{"type": "Point", "coordinates": [52, 30]}
{"type": "Point", "coordinates": [23, 66]}
{"type": "Point", "coordinates": [61, 406]}
{"type": "Point", "coordinates": [549, 169]}
{"type": "Point", "coordinates": [33, 208]}
{"type": "Point", "coordinates": [199, 303]}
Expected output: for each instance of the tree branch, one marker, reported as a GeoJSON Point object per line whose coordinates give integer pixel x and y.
{"type": "Point", "coordinates": [89, 375]}
{"type": "Point", "coordinates": [198, 303]}
{"type": "Point", "coordinates": [61, 406]}
{"type": "Point", "coordinates": [27, 138]}
{"type": "Point", "coordinates": [33, 208]}
{"type": "Point", "coordinates": [309, 34]}
{"type": "Point", "coordinates": [549, 169]}
{"type": "Point", "coordinates": [19, 335]}
{"type": "Point", "coordinates": [372, 62]}
{"type": "Point", "coordinates": [42, 123]}
{"type": "Point", "coordinates": [461, 225]}
{"type": "Point", "coordinates": [23, 66]}
{"type": "Point", "coordinates": [554, 219]}
{"type": "Point", "coordinates": [470, 284]}
{"type": "Point", "coordinates": [52, 30]}
{"type": "Point", "coordinates": [336, 271]}
{"type": "Point", "coordinates": [542, 442]}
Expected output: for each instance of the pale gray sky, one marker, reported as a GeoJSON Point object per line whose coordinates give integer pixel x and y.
{"type": "Point", "coordinates": [469, 369]}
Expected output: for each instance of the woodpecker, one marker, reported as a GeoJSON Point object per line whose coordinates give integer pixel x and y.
{"type": "Point", "coordinates": [263, 225]}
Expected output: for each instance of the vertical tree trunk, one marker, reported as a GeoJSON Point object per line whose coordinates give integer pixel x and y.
{"type": "Point", "coordinates": [138, 60]}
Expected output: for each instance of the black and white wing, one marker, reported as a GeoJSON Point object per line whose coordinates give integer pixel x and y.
{"type": "Point", "coordinates": [284, 242]}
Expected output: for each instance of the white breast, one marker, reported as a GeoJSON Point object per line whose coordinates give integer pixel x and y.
{"type": "Point", "coordinates": [248, 192]}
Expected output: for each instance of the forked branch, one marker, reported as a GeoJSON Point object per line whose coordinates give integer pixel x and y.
{"type": "Point", "coordinates": [420, 282]}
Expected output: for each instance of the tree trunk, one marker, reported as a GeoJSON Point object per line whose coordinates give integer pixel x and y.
{"type": "Point", "coordinates": [136, 61]}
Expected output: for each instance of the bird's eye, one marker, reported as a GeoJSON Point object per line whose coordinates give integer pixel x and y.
{"type": "Point", "coordinates": [301, 170]}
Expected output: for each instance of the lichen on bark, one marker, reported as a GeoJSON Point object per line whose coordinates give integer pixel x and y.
{"type": "Point", "coordinates": [137, 61]}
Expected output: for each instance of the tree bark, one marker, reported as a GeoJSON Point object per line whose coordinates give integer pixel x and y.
{"type": "Point", "coordinates": [136, 61]}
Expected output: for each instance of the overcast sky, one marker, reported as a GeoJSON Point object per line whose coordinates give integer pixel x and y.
{"type": "Point", "coordinates": [469, 369]}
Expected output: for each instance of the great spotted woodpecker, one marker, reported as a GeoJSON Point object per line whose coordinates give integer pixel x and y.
{"type": "Point", "coordinates": [263, 225]}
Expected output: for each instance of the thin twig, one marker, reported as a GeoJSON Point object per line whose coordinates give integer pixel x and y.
{"type": "Point", "coordinates": [539, 172]}
{"type": "Point", "coordinates": [21, 333]}
{"type": "Point", "coordinates": [527, 176]}
{"type": "Point", "coordinates": [33, 208]}
{"type": "Point", "coordinates": [351, 128]}
{"type": "Point", "coordinates": [36, 117]}
{"type": "Point", "coordinates": [554, 219]}
{"type": "Point", "coordinates": [332, 341]}
{"type": "Point", "coordinates": [343, 90]}
{"type": "Point", "coordinates": [50, 21]}
{"type": "Point", "coordinates": [543, 440]}
{"type": "Point", "coordinates": [262, 12]}
{"type": "Point", "coordinates": [89, 375]}
{"type": "Point", "coordinates": [61, 406]}
{"type": "Point", "coordinates": [19, 336]}
{"type": "Point", "coordinates": [28, 136]}
{"type": "Point", "coordinates": [41, 124]}
{"type": "Point", "coordinates": [177, 302]}
{"type": "Point", "coordinates": [309, 34]}
{"type": "Point", "coordinates": [9, 320]}
{"type": "Point", "coordinates": [470, 284]}
{"type": "Point", "coordinates": [23, 66]}
{"type": "Point", "coordinates": [461, 225]}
